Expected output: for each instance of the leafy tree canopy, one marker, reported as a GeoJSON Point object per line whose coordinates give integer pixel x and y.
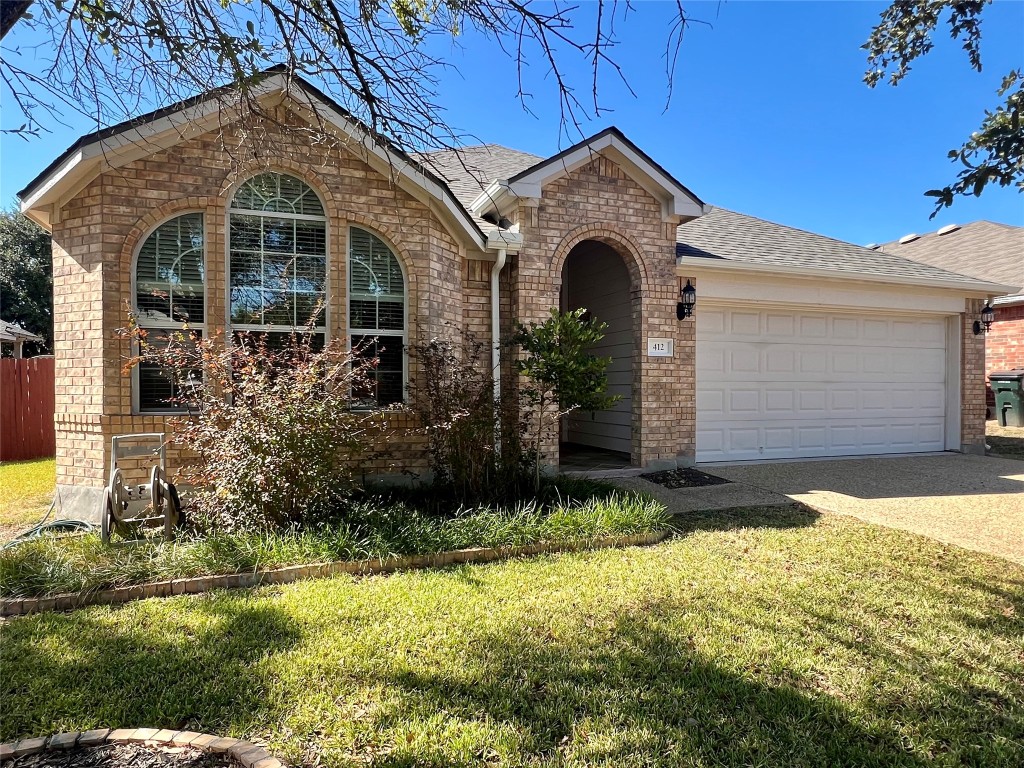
{"type": "Point", "coordinates": [995, 152]}
{"type": "Point", "coordinates": [26, 278]}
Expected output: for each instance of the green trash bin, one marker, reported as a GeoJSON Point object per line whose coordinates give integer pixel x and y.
{"type": "Point", "coordinates": [1008, 387]}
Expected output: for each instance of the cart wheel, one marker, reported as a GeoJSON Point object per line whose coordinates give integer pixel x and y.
{"type": "Point", "coordinates": [116, 490]}
{"type": "Point", "coordinates": [171, 510]}
{"type": "Point", "coordinates": [156, 489]}
{"type": "Point", "coordinates": [106, 517]}
{"type": "Point", "coordinates": [173, 498]}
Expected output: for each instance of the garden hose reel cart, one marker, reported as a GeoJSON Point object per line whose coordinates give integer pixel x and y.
{"type": "Point", "coordinates": [127, 508]}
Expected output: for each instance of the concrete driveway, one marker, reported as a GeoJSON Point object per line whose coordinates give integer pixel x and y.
{"type": "Point", "coordinates": [975, 502]}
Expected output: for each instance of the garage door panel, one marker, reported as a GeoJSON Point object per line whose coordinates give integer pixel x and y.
{"type": "Point", "coordinates": [759, 442]}
{"type": "Point", "coordinates": [772, 384]}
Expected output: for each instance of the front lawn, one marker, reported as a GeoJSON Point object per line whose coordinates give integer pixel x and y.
{"type": "Point", "coordinates": [26, 490]}
{"type": "Point", "coordinates": [773, 638]}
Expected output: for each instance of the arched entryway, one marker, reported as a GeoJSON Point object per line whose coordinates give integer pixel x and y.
{"type": "Point", "coordinates": [596, 278]}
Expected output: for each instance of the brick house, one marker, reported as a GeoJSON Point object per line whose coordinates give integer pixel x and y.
{"type": "Point", "coordinates": [799, 345]}
{"type": "Point", "coordinates": [987, 251]}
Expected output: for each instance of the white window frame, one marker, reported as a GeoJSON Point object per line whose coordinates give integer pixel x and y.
{"type": "Point", "coordinates": [376, 332]}
{"type": "Point", "coordinates": [322, 329]}
{"type": "Point", "coordinates": [162, 324]}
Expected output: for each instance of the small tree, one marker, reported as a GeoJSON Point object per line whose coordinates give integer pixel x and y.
{"type": "Point", "coordinates": [473, 437]}
{"type": "Point", "coordinates": [276, 432]}
{"type": "Point", "coordinates": [564, 376]}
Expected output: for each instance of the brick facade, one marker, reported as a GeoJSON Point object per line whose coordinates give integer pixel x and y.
{"type": "Point", "coordinates": [972, 381]}
{"type": "Point", "coordinates": [97, 233]}
{"type": "Point", "coordinates": [600, 202]}
{"type": "Point", "coordinates": [1004, 343]}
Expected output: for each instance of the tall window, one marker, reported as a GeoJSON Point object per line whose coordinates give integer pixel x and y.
{"type": "Point", "coordinates": [376, 311]}
{"type": "Point", "coordinates": [277, 257]}
{"type": "Point", "coordinates": [170, 291]}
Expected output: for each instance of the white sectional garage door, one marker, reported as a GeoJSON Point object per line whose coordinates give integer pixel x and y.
{"type": "Point", "coordinates": [775, 384]}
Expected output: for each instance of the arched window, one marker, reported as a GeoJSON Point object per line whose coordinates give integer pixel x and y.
{"type": "Point", "coordinates": [376, 311]}
{"type": "Point", "coordinates": [170, 292]}
{"type": "Point", "coordinates": [277, 257]}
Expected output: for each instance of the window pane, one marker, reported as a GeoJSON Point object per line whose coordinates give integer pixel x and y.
{"type": "Point", "coordinates": [169, 272]}
{"type": "Point", "coordinates": [391, 316]}
{"type": "Point", "coordinates": [362, 314]}
{"type": "Point", "coordinates": [278, 340]}
{"type": "Point", "coordinates": [278, 265]}
{"type": "Point", "coordinates": [279, 235]}
{"type": "Point", "coordinates": [376, 285]}
{"type": "Point", "coordinates": [310, 306]}
{"type": "Point", "coordinates": [245, 233]}
{"type": "Point", "coordinates": [387, 379]}
{"type": "Point", "coordinates": [310, 237]}
{"type": "Point", "coordinates": [277, 193]}
{"type": "Point", "coordinates": [156, 388]}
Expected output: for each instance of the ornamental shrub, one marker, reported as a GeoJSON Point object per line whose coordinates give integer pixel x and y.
{"type": "Point", "coordinates": [474, 439]}
{"type": "Point", "coordinates": [277, 425]}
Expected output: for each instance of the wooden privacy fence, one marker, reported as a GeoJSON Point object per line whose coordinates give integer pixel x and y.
{"type": "Point", "coordinates": [26, 408]}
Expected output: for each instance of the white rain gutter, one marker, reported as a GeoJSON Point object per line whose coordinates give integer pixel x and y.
{"type": "Point", "coordinates": [501, 241]}
{"type": "Point", "coordinates": [496, 323]}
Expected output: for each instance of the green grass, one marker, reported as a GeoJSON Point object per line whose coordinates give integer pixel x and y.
{"type": "Point", "coordinates": [773, 638]}
{"type": "Point", "coordinates": [377, 528]}
{"type": "Point", "coordinates": [26, 490]}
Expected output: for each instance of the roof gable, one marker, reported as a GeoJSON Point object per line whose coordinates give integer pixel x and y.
{"type": "Point", "coordinates": [677, 201]}
{"type": "Point", "coordinates": [118, 145]}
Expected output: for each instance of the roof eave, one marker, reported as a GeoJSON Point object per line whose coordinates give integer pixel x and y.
{"type": "Point", "coordinates": [1011, 300]}
{"type": "Point", "coordinates": [87, 157]}
{"type": "Point", "coordinates": [684, 265]}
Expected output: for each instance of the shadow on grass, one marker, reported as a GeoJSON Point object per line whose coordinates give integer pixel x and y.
{"type": "Point", "coordinates": [644, 697]}
{"type": "Point", "coordinates": [196, 669]}
{"type": "Point", "coordinates": [782, 517]}
{"type": "Point", "coordinates": [639, 694]}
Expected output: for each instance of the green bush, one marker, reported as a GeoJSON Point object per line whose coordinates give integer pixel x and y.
{"type": "Point", "coordinates": [277, 432]}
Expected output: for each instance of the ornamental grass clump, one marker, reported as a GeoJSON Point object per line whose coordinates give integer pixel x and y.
{"type": "Point", "coordinates": [277, 426]}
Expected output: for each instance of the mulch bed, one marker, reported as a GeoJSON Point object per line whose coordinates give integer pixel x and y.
{"type": "Point", "coordinates": [124, 756]}
{"type": "Point", "coordinates": [685, 477]}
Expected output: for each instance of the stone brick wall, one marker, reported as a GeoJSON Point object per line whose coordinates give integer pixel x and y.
{"type": "Point", "coordinates": [973, 381]}
{"type": "Point", "coordinates": [599, 201]}
{"type": "Point", "coordinates": [97, 233]}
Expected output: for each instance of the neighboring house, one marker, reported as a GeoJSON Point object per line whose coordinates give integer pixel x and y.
{"type": "Point", "coordinates": [16, 336]}
{"type": "Point", "coordinates": [987, 251]}
{"type": "Point", "coordinates": [800, 345]}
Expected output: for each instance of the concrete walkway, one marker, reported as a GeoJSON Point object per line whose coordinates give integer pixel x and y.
{"type": "Point", "coordinates": [975, 502]}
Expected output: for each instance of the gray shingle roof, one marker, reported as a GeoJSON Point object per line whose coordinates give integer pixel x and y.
{"type": "Point", "coordinates": [983, 249]}
{"type": "Point", "coordinates": [719, 234]}
{"type": "Point", "coordinates": [12, 332]}
{"type": "Point", "coordinates": [736, 237]}
{"type": "Point", "coordinates": [469, 170]}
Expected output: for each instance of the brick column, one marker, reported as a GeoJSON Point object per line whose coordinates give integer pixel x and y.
{"type": "Point", "coordinates": [972, 381]}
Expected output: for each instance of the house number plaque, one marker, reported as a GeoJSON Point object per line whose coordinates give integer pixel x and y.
{"type": "Point", "coordinates": [660, 347]}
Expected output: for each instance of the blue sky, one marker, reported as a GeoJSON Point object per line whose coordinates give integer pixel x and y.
{"type": "Point", "coordinates": [770, 115]}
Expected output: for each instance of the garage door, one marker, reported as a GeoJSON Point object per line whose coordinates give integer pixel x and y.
{"type": "Point", "coordinates": [775, 384]}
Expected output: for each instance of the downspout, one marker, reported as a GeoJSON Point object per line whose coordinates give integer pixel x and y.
{"type": "Point", "coordinates": [496, 335]}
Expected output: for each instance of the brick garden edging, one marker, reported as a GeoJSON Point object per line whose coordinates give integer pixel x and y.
{"type": "Point", "coordinates": [245, 753]}
{"type": "Point", "coordinates": [17, 606]}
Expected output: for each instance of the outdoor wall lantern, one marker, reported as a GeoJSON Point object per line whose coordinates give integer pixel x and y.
{"type": "Point", "coordinates": [687, 298]}
{"type": "Point", "coordinates": [987, 316]}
